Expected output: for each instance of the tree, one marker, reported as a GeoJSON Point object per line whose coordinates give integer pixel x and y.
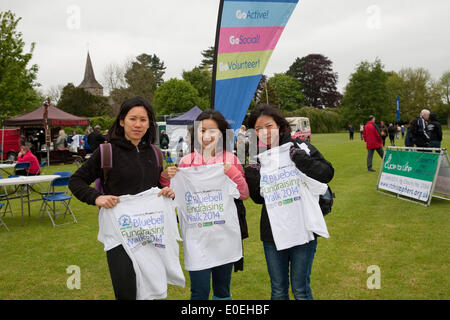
{"type": "Point", "coordinates": [444, 107]}
{"type": "Point", "coordinates": [445, 87]}
{"type": "Point", "coordinates": [208, 58]}
{"type": "Point", "coordinates": [416, 89]}
{"type": "Point", "coordinates": [288, 91]}
{"type": "Point", "coordinates": [140, 78]}
{"type": "Point", "coordinates": [17, 79]}
{"type": "Point", "coordinates": [175, 96]}
{"type": "Point", "coordinates": [81, 103]}
{"type": "Point", "coordinates": [366, 94]}
{"type": "Point", "coordinates": [317, 79]}
{"type": "Point", "coordinates": [265, 93]}
{"type": "Point", "coordinates": [200, 78]}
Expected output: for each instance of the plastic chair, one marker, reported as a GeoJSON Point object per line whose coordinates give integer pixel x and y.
{"type": "Point", "coordinates": [53, 191]}
{"type": "Point", "coordinates": [5, 197]}
{"type": "Point", "coordinates": [1, 221]}
{"type": "Point", "coordinates": [53, 196]}
{"type": "Point", "coordinates": [20, 166]}
{"type": "Point", "coordinates": [170, 161]}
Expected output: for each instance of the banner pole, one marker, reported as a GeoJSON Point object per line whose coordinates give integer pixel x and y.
{"type": "Point", "coordinates": [435, 178]}
{"type": "Point", "coordinates": [3, 143]}
{"type": "Point", "coordinates": [216, 50]}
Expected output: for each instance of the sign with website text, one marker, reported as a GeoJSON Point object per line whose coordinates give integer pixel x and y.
{"type": "Point", "coordinates": [409, 173]}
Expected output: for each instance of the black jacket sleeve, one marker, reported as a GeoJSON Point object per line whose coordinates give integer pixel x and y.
{"type": "Point", "coordinates": [439, 131]}
{"type": "Point", "coordinates": [313, 164]}
{"type": "Point", "coordinates": [253, 177]}
{"type": "Point", "coordinates": [81, 180]}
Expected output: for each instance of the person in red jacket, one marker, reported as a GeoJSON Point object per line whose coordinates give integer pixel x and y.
{"type": "Point", "coordinates": [373, 140]}
{"type": "Point", "coordinates": [25, 155]}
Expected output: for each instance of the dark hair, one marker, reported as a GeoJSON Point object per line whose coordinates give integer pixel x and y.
{"type": "Point", "coordinates": [222, 123]}
{"type": "Point", "coordinates": [117, 131]}
{"type": "Point", "coordinates": [270, 111]}
{"type": "Point", "coordinates": [433, 116]}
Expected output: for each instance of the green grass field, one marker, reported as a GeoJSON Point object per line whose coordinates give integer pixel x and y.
{"type": "Point", "coordinates": [408, 242]}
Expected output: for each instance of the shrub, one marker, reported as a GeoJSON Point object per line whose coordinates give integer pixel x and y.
{"type": "Point", "coordinates": [321, 120]}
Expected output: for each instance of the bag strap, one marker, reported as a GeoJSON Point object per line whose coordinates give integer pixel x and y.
{"type": "Point", "coordinates": [158, 156]}
{"type": "Point", "coordinates": [106, 159]}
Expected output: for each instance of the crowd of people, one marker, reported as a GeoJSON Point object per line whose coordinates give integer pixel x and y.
{"type": "Point", "coordinates": [424, 131]}
{"type": "Point", "coordinates": [137, 169]}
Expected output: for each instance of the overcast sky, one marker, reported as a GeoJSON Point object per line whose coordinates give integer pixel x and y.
{"type": "Point", "coordinates": [402, 33]}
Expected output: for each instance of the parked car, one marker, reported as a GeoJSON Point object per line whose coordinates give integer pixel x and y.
{"type": "Point", "coordinates": [10, 144]}
{"type": "Point", "coordinates": [300, 128]}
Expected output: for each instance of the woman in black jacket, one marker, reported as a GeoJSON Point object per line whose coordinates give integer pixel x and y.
{"type": "Point", "coordinates": [272, 129]}
{"type": "Point", "coordinates": [134, 170]}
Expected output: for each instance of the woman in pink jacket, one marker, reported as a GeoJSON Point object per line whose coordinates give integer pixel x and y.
{"type": "Point", "coordinates": [209, 145]}
{"type": "Point", "coordinates": [25, 155]}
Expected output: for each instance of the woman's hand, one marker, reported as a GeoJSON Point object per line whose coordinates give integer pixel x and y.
{"type": "Point", "coordinates": [107, 202]}
{"type": "Point", "coordinates": [167, 192]}
{"type": "Point", "coordinates": [170, 172]}
{"type": "Point", "coordinates": [226, 167]}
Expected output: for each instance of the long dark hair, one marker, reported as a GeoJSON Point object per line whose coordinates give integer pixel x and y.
{"type": "Point", "coordinates": [222, 123]}
{"type": "Point", "coordinates": [117, 131]}
{"type": "Point", "coordinates": [270, 111]}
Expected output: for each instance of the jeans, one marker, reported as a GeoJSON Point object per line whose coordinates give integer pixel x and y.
{"type": "Point", "coordinates": [201, 280]}
{"type": "Point", "coordinates": [370, 156]}
{"type": "Point", "coordinates": [300, 259]}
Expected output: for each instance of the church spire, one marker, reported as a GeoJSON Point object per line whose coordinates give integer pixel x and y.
{"type": "Point", "coordinates": [89, 82]}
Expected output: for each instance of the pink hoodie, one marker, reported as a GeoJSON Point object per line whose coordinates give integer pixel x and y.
{"type": "Point", "coordinates": [235, 173]}
{"type": "Point", "coordinates": [34, 163]}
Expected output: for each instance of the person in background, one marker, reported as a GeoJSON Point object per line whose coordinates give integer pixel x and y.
{"type": "Point", "coordinates": [25, 155]}
{"type": "Point", "coordinates": [61, 145]}
{"type": "Point", "coordinates": [409, 141]}
{"type": "Point", "coordinates": [392, 131]}
{"type": "Point", "coordinates": [361, 130]}
{"type": "Point", "coordinates": [77, 141]}
{"type": "Point", "coordinates": [403, 131]}
{"type": "Point", "coordinates": [351, 131]}
{"type": "Point", "coordinates": [164, 140]}
{"type": "Point", "coordinates": [86, 145]}
{"type": "Point", "coordinates": [383, 132]}
{"type": "Point", "coordinates": [435, 130]}
{"type": "Point", "coordinates": [373, 140]}
{"type": "Point", "coordinates": [96, 138]}
{"type": "Point", "coordinates": [421, 134]}
{"type": "Point", "coordinates": [242, 146]}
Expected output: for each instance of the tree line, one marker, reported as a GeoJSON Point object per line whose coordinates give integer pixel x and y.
{"type": "Point", "coordinates": [307, 88]}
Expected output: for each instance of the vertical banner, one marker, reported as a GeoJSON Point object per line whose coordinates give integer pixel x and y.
{"type": "Point", "coordinates": [247, 33]}
{"type": "Point", "coordinates": [398, 108]}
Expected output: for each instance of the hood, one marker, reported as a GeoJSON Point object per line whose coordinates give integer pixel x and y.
{"type": "Point", "coordinates": [433, 117]}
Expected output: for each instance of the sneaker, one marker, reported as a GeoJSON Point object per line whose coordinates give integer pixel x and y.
{"type": "Point", "coordinates": [371, 170]}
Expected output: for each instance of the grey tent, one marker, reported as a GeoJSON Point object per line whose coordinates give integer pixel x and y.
{"type": "Point", "coordinates": [187, 118]}
{"type": "Point", "coordinates": [178, 129]}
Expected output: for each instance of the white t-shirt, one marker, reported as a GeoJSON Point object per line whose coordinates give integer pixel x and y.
{"type": "Point", "coordinates": [146, 226]}
{"type": "Point", "coordinates": [208, 217]}
{"type": "Point", "coordinates": [291, 198]}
